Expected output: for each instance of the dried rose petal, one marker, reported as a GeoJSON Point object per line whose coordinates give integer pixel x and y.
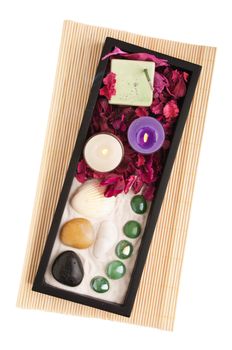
{"type": "Point", "coordinates": [141, 111]}
{"type": "Point", "coordinates": [160, 82]}
{"type": "Point", "coordinates": [180, 89]}
{"type": "Point", "coordinates": [157, 106]}
{"type": "Point", "coordinates": [104, 91]}
{"type": "Point", "coordinates": [129, 182]}
{"type": "Point", "coordinates": [81, 171]}
{"type": "Point", "coordinates": [171, 109]}
{"type": "Point", "coordinates": [118, 122]}
{"type": "Point", "coordinates": [81, 177]}
{"type": "Point", "coordinates": [110, 179]}
{"type": "Point", "coordinates": [110, 79]}
{"type": "Point", "coordinates": [123, 127]}
{"type": "Point", "coordinates": [136, 172]}
{"type": "Point", "coordinates": [177, 79]}
{"type": "Point", "coordinates": [185, 76]}
{"type": "Point", "coordinates": [141, 160]}
{"type": "Point", "coordinates": [148, 192]}
{"type": "Point", "coordinates": [166, 144]}
{"type": "Point", "coordinates": [109, 89]}
{"type": "Point", "coordinates": [137, 185]}
{"type": "Point", "coordinates": [116, 187]}
{"type": "Point", "coordinates": [81, 167]}
{"type": "Point", "coordinates": [137, 56]}
{"type": "Point", "coordinates": [176, 76]}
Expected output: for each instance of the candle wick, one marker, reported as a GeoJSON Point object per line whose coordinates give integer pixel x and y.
{"type": "Point", "coordinates": [105, 151]}
{"type": "Point", "coordinates": [148, 78]}
{"type": "Point", "coordinates": [145, 137]}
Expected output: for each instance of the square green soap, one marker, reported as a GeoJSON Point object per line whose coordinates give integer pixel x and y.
{"type": "Point", "coordinates": [132, 84]}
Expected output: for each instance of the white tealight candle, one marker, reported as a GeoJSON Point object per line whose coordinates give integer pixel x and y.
{"type": "Point", "coordinates": [103, 152]}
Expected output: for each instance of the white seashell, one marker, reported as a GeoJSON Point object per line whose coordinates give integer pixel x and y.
{"type": "Point", "coordinates": [91, 202]}
{"type": "Point", "coordinates": [107, 236]}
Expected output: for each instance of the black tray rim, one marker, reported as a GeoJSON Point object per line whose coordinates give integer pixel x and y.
{"type": "Point", "coordinates": [124, 309]}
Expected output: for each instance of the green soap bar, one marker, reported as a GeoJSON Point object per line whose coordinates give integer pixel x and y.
{"type": "Point", "coordinates": [132, 85]}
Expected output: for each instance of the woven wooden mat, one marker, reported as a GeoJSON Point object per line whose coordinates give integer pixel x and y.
{"type": "Point", "coordinates": [80, 51]}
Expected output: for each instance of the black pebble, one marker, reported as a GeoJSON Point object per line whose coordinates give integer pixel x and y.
{"type": "Point", "coordinates": [67, 269]}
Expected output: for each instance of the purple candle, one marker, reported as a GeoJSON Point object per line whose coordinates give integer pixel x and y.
{"type": "Point", "coordinates": [146, 135]}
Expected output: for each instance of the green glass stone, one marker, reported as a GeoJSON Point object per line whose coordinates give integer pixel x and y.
{"type": "Point", "coordinates": [115, 270]}
{"type": "Point", "coordinates": [132, 229]}
{"type": "Point", "coordinates": [100, 284]}
{"type": "Point", "coordinates": [124, 249]}
{"type": "Point", "coordinates": [139, 204]}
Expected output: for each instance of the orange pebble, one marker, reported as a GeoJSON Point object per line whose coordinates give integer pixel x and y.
{"type": "Point", "coordinates": [77, 233]}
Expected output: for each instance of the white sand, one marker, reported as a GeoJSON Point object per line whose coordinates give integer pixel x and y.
{"type": "Point", "coordinates": [93, 266]}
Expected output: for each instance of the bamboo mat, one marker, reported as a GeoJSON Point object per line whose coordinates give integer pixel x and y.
{"type": "Point", "coordinates": [80, 51]}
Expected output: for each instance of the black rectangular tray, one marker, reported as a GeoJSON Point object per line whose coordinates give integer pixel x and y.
{"type": "Point", "coordinates": [122, 309]}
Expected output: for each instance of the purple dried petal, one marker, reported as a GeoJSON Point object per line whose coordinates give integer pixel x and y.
{"type": "Point", "coordinates": [160, 82]}
{"type": "Point", "coordinates": [137, 56]}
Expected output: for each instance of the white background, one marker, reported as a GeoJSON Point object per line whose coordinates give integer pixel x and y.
{"type": "Point", "coordinates": [30, 33]}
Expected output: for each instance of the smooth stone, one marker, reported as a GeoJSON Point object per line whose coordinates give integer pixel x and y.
{"type": "Point", "coordinates": [107, 236]}
{"type": "Point", "coordinates": [100, 284]}
{"type": "Point", "coordinates": [124, 249]}
{"type": "Point", "coordinates": [115, 270]}
{"type": "Point", "coordinates": [139, 204]}
{"type": "Point", "coordinates": [68, 269]}
{"type": "Point", "coordinates": [77, 233]}
{"type": "Point", "coordinates": [132, 229]}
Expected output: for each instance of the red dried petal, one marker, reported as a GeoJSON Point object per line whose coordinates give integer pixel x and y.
{"type": "Point", "coordinates": [109, 89]}
{"type": "Point", "coordinates": [81, 166]}
{"type": "Point", "coordinates": [97, 175]}
{"type": "Point", "coordinates": [116, 187]}
{"type": "Point", "coordinates": [123, 127]}
{"type": "Point", "coordinates": [176, 76]}
{"type": "Point", "coordinates": [109, 180]}
{"type": "Point", "coordinates": [129, 182]}
{"type": "Point", "coordinates": [110, 79]}
{"type": "Point", "coordinates": [141, 111]}
{"type": "Point", "coordinates": [168, 128]}
{"type": "Point", "coordinates": [166, 144]}
{"type": "Point", "coordinates": [157, 106]}
{"type": "Point", "coordinates": [109, 192]}
{"type": "Point", "coordinates": [118, 122]}
{"type": "Point", "coordinates": [137, 185]}
{"type": "Point", "coordinates": [136, 172]}
{"type": "Point", "coordinates": [148, 192]}
{"type": "Point", "coordinates": [81, 177]}
{"type": "Point", "coordinates": [128, 112]}
{"type": "Point", "coordinates": [180, 89]}
{"type": "Point", "coordinates": [185, 76]}
{"type": "Point", "coordinates": [171, 109]}
{"type": "Point", "coordinates": [177, 90]}
{"type": "Point", "coordinates": [81, 174]}
{"type": "Point", "coordinates": [141, 160]}
{"type": "Point", "coordinates": [103, 106]}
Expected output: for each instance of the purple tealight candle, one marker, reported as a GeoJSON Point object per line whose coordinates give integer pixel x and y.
{"type": "Point", "coordinates": [146, 135]}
